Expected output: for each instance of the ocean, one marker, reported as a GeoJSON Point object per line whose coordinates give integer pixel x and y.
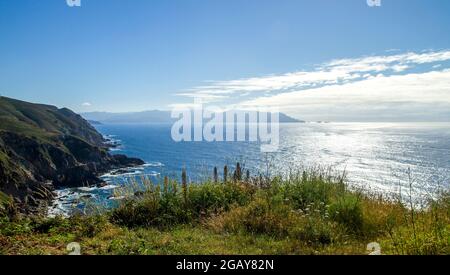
{"type": "Point", "coordinates": [378, 157]}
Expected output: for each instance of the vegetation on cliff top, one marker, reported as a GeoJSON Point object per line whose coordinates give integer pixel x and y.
{"type": "Point", "coordinates": [44, 121]}
{"type": "Point", "coordinates": [42, 146]}
{"type": "Point", "coordinates": [305, 213]}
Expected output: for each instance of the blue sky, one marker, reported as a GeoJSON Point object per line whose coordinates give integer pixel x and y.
{"type": "Point", "coordinates": [117, 55]}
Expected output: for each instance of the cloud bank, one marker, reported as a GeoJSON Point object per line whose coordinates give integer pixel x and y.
{"type": "Point", "coordinates": [407, 86]}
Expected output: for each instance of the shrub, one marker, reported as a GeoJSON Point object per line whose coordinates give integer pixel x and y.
{"type": "Point", "coordinates": [7, 207]}
{"type": "Point", "coordinates": [380, 216]}
{"type": "Point", "coordinates": [212, 198]}
{"type": "Point", "coordinates": [88, 226]}
{"type": "Point", "coordinates": [315, 226]}
{"type": "Point", "coordinates": [427, 232]}
{"type": "Point", "coordinates": [4, 201]}
{"type": "Point", "coordinates": [347, 210]}
{"type": "Point", "coordinates": [169, 207]}
{"type": "Point", "coordinates": [146, 212]}
{"type": "Point", "coordinates": [259, 217]}
{"type": "Point", "coordinates": [425, 242]}
{"type": "Point", "coordinates": [312, 188]}
{"type": "Point", "coordinates": [12, 228]}
{"type": "Point", "coordinates": [315, 232]}
{"type": "Point", "coordinates": [50, 225]}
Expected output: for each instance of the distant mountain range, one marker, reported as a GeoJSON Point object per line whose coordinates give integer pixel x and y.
{"type": "Point", "coordinates": [154, 116]}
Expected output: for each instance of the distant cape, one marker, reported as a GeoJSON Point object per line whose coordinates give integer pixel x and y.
{"type": "Point", "coordinates": [154, 116]}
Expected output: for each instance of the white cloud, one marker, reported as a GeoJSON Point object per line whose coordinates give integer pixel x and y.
{"type": "Point", "coordinates": [400, 68]}
{"type": "Point", "coordinates": [86, 104]}
{"type": "Point", "coordinates": [330, 73]}
{"type": "Point", "coordinates": [403, 85]}
{"type": "Point", "coordinates": [425, 93]}
{"type": "Point", "coordinates": [206, 97]}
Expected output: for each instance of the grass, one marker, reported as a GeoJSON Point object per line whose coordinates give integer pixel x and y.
{"type": "Point", "coordinates": [41, 122]}
{"type": "Point", "coordinates": [305, 213]}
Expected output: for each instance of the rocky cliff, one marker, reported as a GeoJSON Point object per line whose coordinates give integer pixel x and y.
{"type": "Point", "coordinates": [43, 147]}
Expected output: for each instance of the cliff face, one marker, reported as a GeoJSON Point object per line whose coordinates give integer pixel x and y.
{"type": "Point", "coordinates": [43, 147]}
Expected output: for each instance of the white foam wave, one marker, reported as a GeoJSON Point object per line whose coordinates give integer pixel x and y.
{"type": "Point", "coordinates": [87, 189]}
{"type": "Point", "coordinates": [109, 187]}
{"type": "Point", "coordinates": [153, 164]}
{"type": "Point", "coordinates": [117, 198]}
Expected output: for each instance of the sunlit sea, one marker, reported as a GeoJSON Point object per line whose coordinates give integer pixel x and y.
{"type": "Point", "coordinates": [380, 157]}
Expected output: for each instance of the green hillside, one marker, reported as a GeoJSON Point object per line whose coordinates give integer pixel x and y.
{"type": "Point", "coordinates": [44, 121]}
{"type": "Point", "coordinates": [43, 147]}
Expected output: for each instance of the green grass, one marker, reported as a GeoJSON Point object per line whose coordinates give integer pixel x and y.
{"type": "Point", "coordinates": [308, 213]}
{"type": "Point", "coordinates": [5, 201]}
{"type": "Point", "coordinates": [43, 123]}
{"type": "Point", "coordinates": [35, 141]}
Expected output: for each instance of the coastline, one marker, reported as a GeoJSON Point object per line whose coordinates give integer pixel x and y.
{"type": "Point", "coordinates": [66, 200]}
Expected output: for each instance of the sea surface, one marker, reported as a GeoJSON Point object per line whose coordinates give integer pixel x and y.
{"type": "Point", "coordinates": [380, 157]}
